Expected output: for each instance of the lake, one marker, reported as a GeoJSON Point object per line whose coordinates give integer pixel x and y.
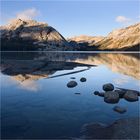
{"type": "Point", "coordinates": [37, 104]}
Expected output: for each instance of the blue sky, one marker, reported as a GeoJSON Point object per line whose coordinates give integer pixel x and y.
{"type": "Point", "coordinates": [75, 17]}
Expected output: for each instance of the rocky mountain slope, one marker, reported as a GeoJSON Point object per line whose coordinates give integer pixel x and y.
{"type": "Point", "coordinates": [83, 38]}
{"type": "Point", "coordinates": [120, 39]}
{"type": "Point", "coordinates": [20, 34]}
{"type": "Point", "coordinates": [23, 35]}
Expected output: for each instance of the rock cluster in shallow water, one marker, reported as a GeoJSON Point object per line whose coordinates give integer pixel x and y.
{"type": "Point", "coordinates": [113, 96]}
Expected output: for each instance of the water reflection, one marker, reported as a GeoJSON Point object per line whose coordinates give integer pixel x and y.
{"type": "Point", "coordinates": [58, 111]}
{"type": "Point", "coordinates": [38, 65]}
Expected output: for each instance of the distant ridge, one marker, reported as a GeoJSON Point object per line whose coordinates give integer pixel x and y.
{"type": "Point", "coordinates": [121, 39]}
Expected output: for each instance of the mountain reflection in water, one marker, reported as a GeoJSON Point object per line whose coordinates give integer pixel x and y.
{"type": "Point", "coordinates": [33, 66]}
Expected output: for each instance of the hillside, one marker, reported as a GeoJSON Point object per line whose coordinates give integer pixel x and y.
{"type": "Point", "coordinates": [120, 39]}
{"type": "Point", "coordinates": [89, 39]}
{"type": "Point", "coordinates": [20, 34]}
{"type": "Point", "coordinates": [29, 35]}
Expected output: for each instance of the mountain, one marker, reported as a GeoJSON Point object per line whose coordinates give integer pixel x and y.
{"type": "Point", "coordinates": [83, 38]}
{"type": "Point", "coordinates": [23, 35]}
{"type": "Point", "coordinates": [120, 39]}
{"type": "Point", "coordinates": [29, 35]}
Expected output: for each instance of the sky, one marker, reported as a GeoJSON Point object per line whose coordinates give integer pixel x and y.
{"type": "Point", "coordinates": [74, 17]}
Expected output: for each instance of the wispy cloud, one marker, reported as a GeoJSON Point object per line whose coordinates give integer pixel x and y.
{"type": "Point", "coordinates": [123, 19]}
{"type": "Point", "coordinates": [27, 14]}
{"type": "Point", "coordinates": [30, 85]}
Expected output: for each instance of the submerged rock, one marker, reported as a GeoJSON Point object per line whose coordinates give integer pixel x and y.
{"type": "Point", "coordinates": [72, 84]}
{"type": "Point", "coordinates": [111, 97]}
{"type": "Point", "coordinates": [127, 128]}
{"type": "Point", "coordinates": [83, 79]}
{"type": "Point", "coordinates": [119, 109]}
{"type": "Point", "coordinates": [108, 87]}
{"type": "Point", "coordinates": [131, 96]}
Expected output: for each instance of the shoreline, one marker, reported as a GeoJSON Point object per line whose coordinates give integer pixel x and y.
{"type": "Point", "coordinates": [80, 51]}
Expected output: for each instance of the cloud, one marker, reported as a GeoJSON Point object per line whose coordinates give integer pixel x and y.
{"type": "Point", "coordinates": [30, 85]}
{"type": "Point", "coordinates": [122, 19]}
{"type": "Point", "coordinates": [27, 14]}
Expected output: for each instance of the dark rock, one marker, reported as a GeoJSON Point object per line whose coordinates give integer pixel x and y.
{"type": "Point", "coordinates": [125, 90]}
{"type": "Point", "coordinates": [101, 94]}
{"type": "Point", "coordinates": [78, 93]}
{"type": "Point", "coordinates": [120, 92]}
{"type": "Point", "coordinates": [83, 79]}
{"type": "Point", "coordinates": [135, 91]}
{"type": "Point", "coordinates": [72, 84]}
{"type": "Point", "coordinates": [72, 78]}
{"type": "Point", "coordinates": [96, 92]}
{"type": "Point", "coordinates": [119, 109]}
{"type": "Point", "coordinates": [131, 96]}
{"type": "Point", "coordinates": [111, 97]}
{"type": "Point", "coordinates": [138, 93]}
{"type": "Point", "coordinates": [108, 87]}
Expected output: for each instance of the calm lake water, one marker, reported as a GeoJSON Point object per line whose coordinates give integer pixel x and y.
{"type": "Point", "coordinates": [35, 99]}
